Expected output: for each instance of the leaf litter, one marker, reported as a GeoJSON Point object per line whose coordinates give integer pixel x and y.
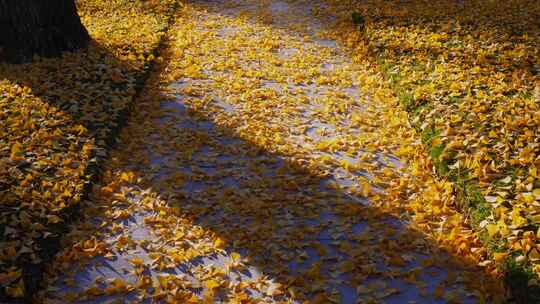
{"type": "Point", "coordinates": [247, 174]}
{"type": "Point", "coordinates": [468, 74]}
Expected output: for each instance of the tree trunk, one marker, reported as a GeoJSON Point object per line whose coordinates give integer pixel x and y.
{"type": "Point", "coordinates": [39, 27]}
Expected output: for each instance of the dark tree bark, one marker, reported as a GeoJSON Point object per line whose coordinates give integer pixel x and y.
{"type": "Point", "coordinates": [39, 27]}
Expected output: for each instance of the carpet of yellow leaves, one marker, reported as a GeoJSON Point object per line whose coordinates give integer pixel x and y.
{"type": "Point", "coordinates": [251, 90]}
{"type": "Point", "coordinates": [56, 118]}
{"type": "Point", "coordinates": [468, 72]}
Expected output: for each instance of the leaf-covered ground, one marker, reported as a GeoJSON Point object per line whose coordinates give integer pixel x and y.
{"type": "Point", "coordinates": [468, 72]}
{"type": "Point", "coordinates": [264, 164]}
{"type": "Point", "coordinates": [56, 118]}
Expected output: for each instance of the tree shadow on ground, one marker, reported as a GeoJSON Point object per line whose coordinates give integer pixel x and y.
{"type": "Point", "coordinates": [288, 220]}
{"type": "Point", "coordinates": [292, 220]}
{"type": "Point", "coordinates": [293, 225]}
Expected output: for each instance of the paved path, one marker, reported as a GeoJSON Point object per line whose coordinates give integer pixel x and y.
{"type": "Point", "coordinates": [242, 177]}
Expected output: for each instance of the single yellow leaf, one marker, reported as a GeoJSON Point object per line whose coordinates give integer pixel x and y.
{"type": "Point", "coordinates": [219, 243]}
{"type": "Point", "coordinates": [235, 257]}
{"type": "Point", "coordinates": [499, 256]}
{"type": "Point", "coordinates": [127, 176]}
{"type": "Point", "coordinates": [16, 148]}
{"type": "Point", "coordinates": [17, 290]}
{"type": "Point", "coordinates": [528, 197]}
{"type": "Point", "coordinates": [491, 229]}
{"type": "Point", "coordinates": [137, 262]}
{"type": "Point", "coordinates": [534, 255]}
{"type": "Point", "coordinates": [438, 292]}
{"type": "Point", "coordinates": [211, 284]}
{"type": "Point", "coordinates": [533, 171]}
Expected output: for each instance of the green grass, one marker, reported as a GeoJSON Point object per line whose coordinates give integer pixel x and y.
{"type": "Point", "coordinates": [441, 165]}
{"type": "Point", "coordinates": [407, 100]}
{"type": "Point", "coordinates": [428, 135]}
{"type": "Point", "coordinates": [473, 201]}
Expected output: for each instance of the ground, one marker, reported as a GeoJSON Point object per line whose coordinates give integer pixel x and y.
{"type": "Point", "coordinates": [255, 167]}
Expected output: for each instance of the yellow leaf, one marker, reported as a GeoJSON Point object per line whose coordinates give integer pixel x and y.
{"type": "Point", "coordinates": [517, 219]}
{"type": "Point", "coordinates": [492, 229]}
{"type": "Point", "coordinates": [53, 219]}
{"type": "Point", "coordinates": [534, 255]}
{"type": "Point", "coordinates": [94, 291]}
{"type": "Point", "coordinates": [438, 292]}
{"type": "Point", "coordinates": [528, 197]}
{"type": "Point", "coordinates": [164, 280]}
{"type": "Point", "coordinates": [499, 256]}
{"type": "Point", "coordinates": [16, 148]}
{"type": "Point", "coordinates": [137, 262]}
{"type": "Point", "coordinates": [361, 289]}
{"type": "Point", "coordinates": [80, 129]}
{"type": "Point", "coordinates": [127, 176]}
{"type": "Point", "coordinates": [219, 243]}
{"type": "Point", "coordinates": [396, 260]}
{"type": "Point", "coordinates": [117, 286]}
{"type": "Point", "coordinates": [211, 284]}
{"type": "Point", "coordinates": [17, 290]}
{"type": "Point", "coordinates": [319, 299]}
{"type": "Point", "coordinates": [235, 257]}
{"type": "Point", "coordinates": [533, 171]}
{"type": "Point", "coordinates": [118, 283]}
